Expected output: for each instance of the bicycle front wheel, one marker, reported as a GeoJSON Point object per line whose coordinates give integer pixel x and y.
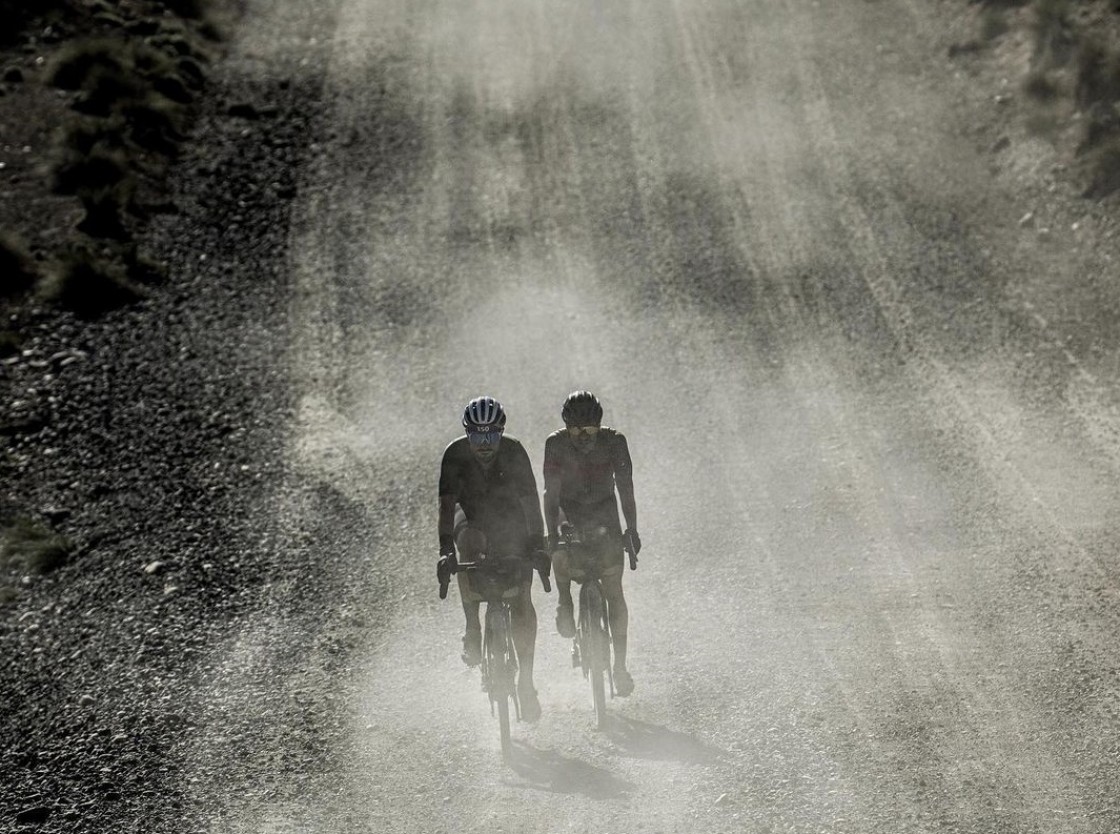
{"type": "Point", "coordinates": [596, 648]}
{"type": "Point", "coordinates": [502, 670]}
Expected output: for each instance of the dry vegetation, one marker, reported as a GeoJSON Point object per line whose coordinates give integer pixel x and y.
{"type": "Point", "coordinates": [130, 73]}
{"type": "Point", "coordinates": [1071, 76]}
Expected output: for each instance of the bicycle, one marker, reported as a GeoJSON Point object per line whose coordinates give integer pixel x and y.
{"type": "Point", "coordinates": [592, 644]}
{"type": "Point", "coordinates": [498, 582]}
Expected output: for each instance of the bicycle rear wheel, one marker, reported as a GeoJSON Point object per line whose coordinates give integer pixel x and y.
{"type": "Point", "coordinates": [596, 647]}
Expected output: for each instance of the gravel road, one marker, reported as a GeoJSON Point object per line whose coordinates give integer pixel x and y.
{"type": "Point", "coordinates": [873, 416]}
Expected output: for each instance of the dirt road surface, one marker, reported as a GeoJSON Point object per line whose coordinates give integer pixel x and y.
{"type": "Point", "coordinates": [873, 418]}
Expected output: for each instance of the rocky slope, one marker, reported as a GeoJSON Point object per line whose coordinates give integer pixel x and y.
{"type": "Point", "coordinates": [150, 438]}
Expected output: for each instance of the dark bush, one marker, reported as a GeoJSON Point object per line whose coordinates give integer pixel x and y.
{"type": "Point", "coordinates": [1098, 72]}
{"type": "Point", "coordinates": [1039, 86]}
{"type": "Point", "coordinates": [98, 169]}
{"type": "Point", "coordinates": [1103, 169]}
{"type": "Point", "coordinates": [193, 9]}
{"type": "Point", "coordinates": [16, 14]}
{"type": "Point", "coordinates": [27, 547]}
{"type": "Point", "coordinates": [72, 67]}
{"type": "Point", "coordinates": [104, 215]}
{"type": "Point", "coordinates": [89, 284]}
{"type": "Point", "coordinates": [17, 270]}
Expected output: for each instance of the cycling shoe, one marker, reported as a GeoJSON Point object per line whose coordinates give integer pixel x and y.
{"type": "Point", "coordinates": [623, 683]}
{"type": "Point", "coordinates": [565, 621]}
{"type": "Point", "coordinates": [530, 705]}
{"type": "Point", "coordinates": [472, 648]}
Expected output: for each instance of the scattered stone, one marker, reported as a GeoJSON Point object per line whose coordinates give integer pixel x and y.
{"type": "Point", "coordinates": [966, 48]}
{"type": "Point", "coordinates": [154, 568]}
{"type": "Point", "coordinates": [87, 701]}
{"type": "Point", "coordinates": [1027, 219]}
{"type": "Point", "coordinates": [244, 110]}
{"type": "Point", "coordinates": [56, 514]}
{"type": "Point", "coordinates": [33, 816]}
{"type": "Point", "coordinates": [723, 799]}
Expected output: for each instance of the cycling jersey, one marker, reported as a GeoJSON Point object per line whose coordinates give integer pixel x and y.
{"type": "Point", "coordinates": [491, 498]}
{"type": "Point", "coordinates": [585, 481]}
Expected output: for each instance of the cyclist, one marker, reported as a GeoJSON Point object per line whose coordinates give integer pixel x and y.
{"type": "Point", "coordinates": [583, 465]}
{"type": "Point", "coordinates": [488, 502]}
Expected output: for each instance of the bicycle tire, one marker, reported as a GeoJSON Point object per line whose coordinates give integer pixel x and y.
{"type": "Point", "coordinates": [596, 652]}
{"type": "Point", "coordinates": [500, 672]}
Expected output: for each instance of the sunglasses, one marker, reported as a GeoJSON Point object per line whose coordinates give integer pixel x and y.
{"type": "Point", "coordinates": [589, 431]}
{"type": "Point", "coordinates": [483, 437]}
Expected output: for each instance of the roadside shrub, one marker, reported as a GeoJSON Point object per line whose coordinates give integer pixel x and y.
{"type": "Point", "coordinates": [89, 284]}
{"type": "Point", "coordinates": [17, 269]}
{"type": "Point", "coordinates": [74, 64]}
{"type": "Point", "coordinates": [1098, 72]}
{"type": "Point", "coordinates": [1053, 33]}
{"type": "Point", "coordinates": [1102, 167]}
{"type": "Point", "coordinates": [1040, 86]}
{"type": "Point", "coordinates": [993, 23]}
{"type": "Point", "coordinates": [97, 170]}
{"type": "Point", "coordinates": [104, 217]}
{"type": "Point", "coordinates": [143, 269]}
{"type": "Point", "coordinates": [18, 13]}
{"type": "Point", "coordinates": [191, 9]}
{"type": "Point", "coordinates": [10, 343]}
{"type": "Point", "coordinates": [27, 547]}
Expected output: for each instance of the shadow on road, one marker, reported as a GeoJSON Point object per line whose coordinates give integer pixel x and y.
{"type": "Point", "coordinates": [549, 771]}
{"type": "Point", "coordinates": [649, 741]}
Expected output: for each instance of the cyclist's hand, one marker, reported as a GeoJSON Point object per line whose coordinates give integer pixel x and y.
{"type": "Point", "coordinates": [633, 544]}
{"type": "Point", "coordinates": [446, 564]}
{"type": "Point", "coordinates": [542, 562]}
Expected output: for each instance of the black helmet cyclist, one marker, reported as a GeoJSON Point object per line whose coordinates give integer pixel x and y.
{"type": "Point", "coordinates": [585, 465]}
{"type": "Point", "coordinates": [583, 414]}
{"type": "Point", "coordinates": [582, 408]}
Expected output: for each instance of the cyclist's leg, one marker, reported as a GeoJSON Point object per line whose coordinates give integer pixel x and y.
{"type": "Point", "coordinates": [618, 614]}
{"type": "Point", "coordinates": [562, 578]}
{"type": "Point", "coordinates": [470, 541]}
{"type": "Point", "coordinates": [472, 636]}
{"type": "Point", "coordinates": [524, 617]}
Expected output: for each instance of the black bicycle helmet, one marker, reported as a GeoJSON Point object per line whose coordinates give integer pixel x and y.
{"type": "Point", "coordinates": [582, 408]}
{"type": "Point", "coordinates": [484, 413]}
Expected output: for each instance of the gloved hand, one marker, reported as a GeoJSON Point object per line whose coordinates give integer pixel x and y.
{"type": "Point", "coordinates": [632, 545]}
{"type": "Point", "coordinates": [538, 554]}
{"type": "Point", "coordinates": [446, 564]}
{"type": "Point", "coordinates": [542, 562]}
{"type": "Point", "coordinates": [444, 568]}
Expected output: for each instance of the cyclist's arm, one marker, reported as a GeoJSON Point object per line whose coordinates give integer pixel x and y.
{"type": "Point", "coordinates": [446, 515]}
{"type": "Point", "coordinates": [624, 481]}
{"type": "Point", "coordinates": [448, 497]}
{"type": "Point", "coordinates": [527, 492]}
{"type": "Point", "coordinates": [551, 488]}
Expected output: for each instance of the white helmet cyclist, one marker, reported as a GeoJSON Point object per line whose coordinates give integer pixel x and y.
{"type": "Point", "coordinates": [484, 414]}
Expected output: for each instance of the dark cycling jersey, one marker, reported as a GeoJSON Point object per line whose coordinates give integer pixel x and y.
{"type": "Point", "coordinates": [491, 498]}
{"type": "Point", "coordinates": [585, 482]}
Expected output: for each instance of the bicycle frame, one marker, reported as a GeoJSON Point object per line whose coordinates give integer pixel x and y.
{"type": "Point", "coordinates": [498, 583]}
{"type": "Point", "coordinates": [592, 645]}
